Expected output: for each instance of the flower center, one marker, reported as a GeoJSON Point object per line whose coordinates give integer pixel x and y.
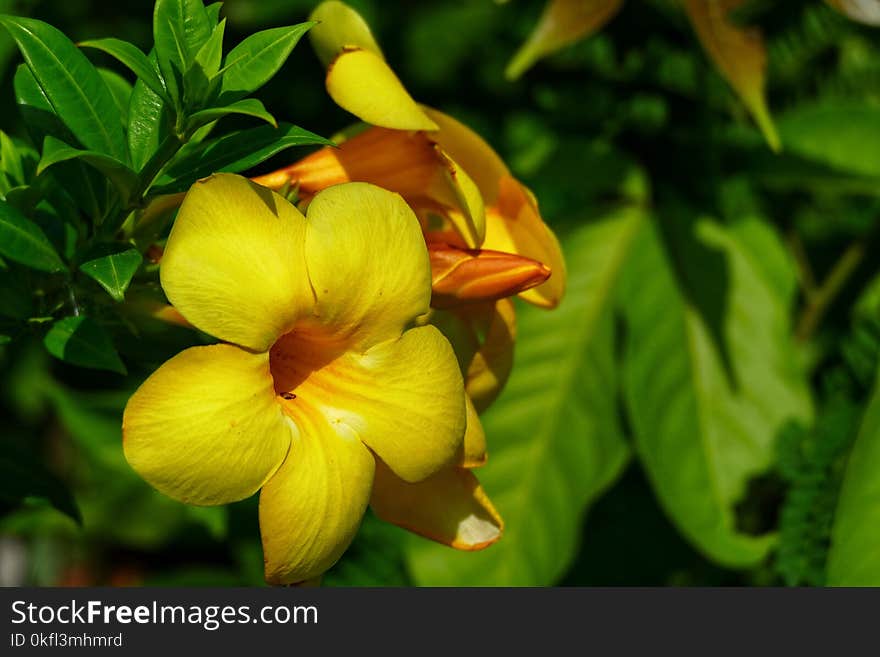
{"type": "Point", "coordinates": [306, 365]}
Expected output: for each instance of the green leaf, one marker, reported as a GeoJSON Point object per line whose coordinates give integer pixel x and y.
{"type": "Point", "coordinates": [235, 152]}
{"type": "Point", "coordinates": [180, 29]}
{"type": "Point", "coordinates": [555, 440]}
{"type": "Point", "coordinates": [213, 11]}
{"type": "Point", "coordinates": [132, 57]}
{"type": "Point", "coordinates": [124, 179]}
{"type": "Point", "coordinates": [854, 559]}
{"type": "Point", "coordinates": [149, 123]}
{"type": "Point", "coordinates": [247, 107]}
{"type": "Point", "coordinates": [22, 240]}
{"type": "Point", "coordinates": [5, 339]}
{"type": "Point", "coordinates": [210, 55]}
{"type": "Point", "coordinates": [844, 135]}
{"type": "Point", "coordinates": [711, 379]}
{"type": "Point", "coordinates": [73, 87]}
{"type": "Point", "coordinates": [81, 341]}
{"type": "Point", "coordinates": [254, 61]}
{"type": "Point", "coordinates": [114, 271]}
{"type": "Point", "coordinates": [121, 90]}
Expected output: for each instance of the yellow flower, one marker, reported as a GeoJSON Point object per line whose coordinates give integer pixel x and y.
{"type": "Point", "coordinates": [461, 190]}
{"type": "Point", "coordinates": [320, 395]}
{"type": "Point", "coordinates": [441, 167]}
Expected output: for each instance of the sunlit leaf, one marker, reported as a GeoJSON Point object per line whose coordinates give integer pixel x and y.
{"type": "Point", "coordinates": [148, 123]}
{"type": "Point", "coordinates": [854, 559]}
{"type": "Point", "coordinates": [555, 441]}
{"type": "Point", "coordinates": [844, 135]}
{"type": "Point", "coordinates": [563, 22]}
{"type": "Point", "coordinates": [739, 54]}
{"type": "Point", "coordinates": [180, 29]}
{"type": "Point", "coordinates": [81, 341]}
{"type": "Point", "coordinates": [22, 240]}
{"type": "Point", "coordinates": [114, 271]}
{"type": "Point", "coordinates": [73, 87]}
{"type": "Point", "coordinates": [255, 60]}
{"type": "Point", "coordinates": [711, 379]}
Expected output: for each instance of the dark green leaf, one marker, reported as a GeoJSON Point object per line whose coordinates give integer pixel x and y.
{"type": "Point", "coordinates": [73, 87]}
{"type": "Point", "coordinates": [213, 11]}
{"type": "Point", "coordinates": [254, 61]}
{"type": "Point", "coordinates": [149, 124]}
{"type": "Point", "coordinates": [554, 433]}
{"type": "Point", "coordinates": [236, 152]}
{"type": "Point", "coordinates": [132, 57]}
{"type": "Point", "coordinates": [247, 107]}
{"type": "Point", "coordinates": [22, 476]}
{"type": "Point", "coordinates": [114, 271]}
{"type": "Point", "coordinates": [121, 89]}
{"type": "Point", "coordinates": [81, 341]}
{"type": "Point", "coordinates": [124, 179]}
{"type": "Point", "coordinates": [180, 29]}
{"type": "Point", "coordinates": [22, 240]}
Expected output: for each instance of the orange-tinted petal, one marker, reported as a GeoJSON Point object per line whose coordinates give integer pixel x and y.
{"type": "Point", "coordinates": [449, 507]}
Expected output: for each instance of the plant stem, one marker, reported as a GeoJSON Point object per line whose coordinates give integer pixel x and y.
{"type": "Point", "coordinates": [821, 298]}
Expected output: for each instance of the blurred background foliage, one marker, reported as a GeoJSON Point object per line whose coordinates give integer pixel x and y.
{"type": "Point", "coordinates": [684, 418]}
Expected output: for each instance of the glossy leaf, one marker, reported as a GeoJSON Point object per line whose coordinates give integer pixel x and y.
{"type": "Point", "coordinates": [114, 271]}
{"type": "Point", "coordinates": [73, 87]}
{"type": "Point", "coordinates": [81, 341]}
{"type": "Point", "coordinates": [180, 29]}
{"type": "Point", "coordinates": [255, 60]}
{"type": "Point", "coordinates": [247, 107]}
{"type": "Point", "coordinates": [854, 559]}
{"type": "Point", "coordinates": [24, 242]}
{"type": "Point", "coordinates": [132, 57]}
{"type": "Point", "coordinates": [120, 89]}
{"type": "Point", "coordinates": [555, 441]}
{"type": "Point", "coordinates": [563, 23]}
{"type": "Point", "coordinates": [124, 179]}
{"type": "Point", "coordinates": [739, 55]}
{"type": "Point", "coordinates": [236, 152]}
{"type": "Point", "coordinates": [711, 379]}
{"type": "Point", "coordinates": [148, 123]}
{"type": "Point", "coordinates": [210, 55]}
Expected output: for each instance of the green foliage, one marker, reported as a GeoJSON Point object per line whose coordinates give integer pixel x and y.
{"type": "Point", "coordinates": [563, 443]}
{"type": "Point", "coordinates": [701, 409]}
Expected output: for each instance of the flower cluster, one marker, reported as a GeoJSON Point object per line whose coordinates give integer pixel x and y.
{"type": "Point", "coordinates": [358, 341]}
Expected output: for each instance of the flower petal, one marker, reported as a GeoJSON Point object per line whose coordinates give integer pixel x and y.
{"type": "Point", "coordinates": [311, 509]}
{"type": "Point", "coordinates": [404, 398]}
{"type": "Point", "coordinates": [361, 82]}
{"type": "Point", "coordinates": [491, 365]}
{"type": "Point", "coordinates": [205, 427]}
{"type": "Point", "coordinates": [368, 263]}
{"type": "Point", "coordinates": [233, 265]}
{"type": "Point", "coordinates": [339, 26]}
{"type": "Point", "coordinates": [470, 151]}
{"type": "Point", "coordinates": [514, 225]}
{"type": "Point", "coordinates": [450, 507]}
{"type": "Point", "coordinates": [473, 448]}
